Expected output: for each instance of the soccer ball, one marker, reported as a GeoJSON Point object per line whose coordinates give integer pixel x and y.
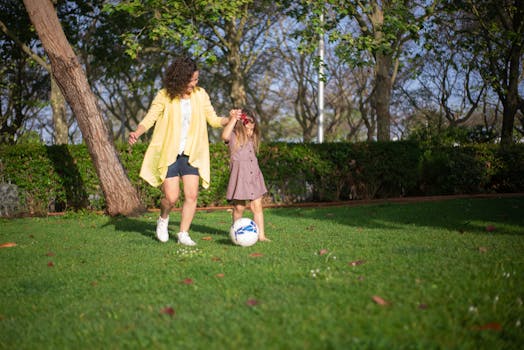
{"type": "Point", "coordinates": [244, 232]}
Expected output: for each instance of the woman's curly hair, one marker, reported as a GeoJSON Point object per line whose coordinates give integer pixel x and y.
{"type": "Point", "coordinates": [178, 75]}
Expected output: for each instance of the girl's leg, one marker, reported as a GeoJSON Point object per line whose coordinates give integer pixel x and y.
{"type": "Point", "coordinates": [258, 217]}
{"type": "Point", "coordinates": [238, 209]}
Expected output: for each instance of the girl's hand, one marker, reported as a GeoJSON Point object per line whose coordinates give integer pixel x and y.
{"type": "Point", "coordinates": [133, 137]}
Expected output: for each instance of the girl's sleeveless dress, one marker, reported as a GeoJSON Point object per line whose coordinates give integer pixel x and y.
{"type": "Point", "coordinates": [246, 181]}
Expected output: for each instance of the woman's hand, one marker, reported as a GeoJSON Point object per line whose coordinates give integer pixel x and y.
{"type": "Point", "coordinates": [235, 114]}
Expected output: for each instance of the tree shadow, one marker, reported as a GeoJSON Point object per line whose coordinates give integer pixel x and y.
{"type": "Point", "coordinates": [456, 215]}
{"type": "Point", "coordinates": [70, 178]}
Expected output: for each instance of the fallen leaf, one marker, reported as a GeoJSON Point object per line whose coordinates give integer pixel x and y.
{"type": "Point", "coordinates": [423, 306]}
{"type": "Point", "coordinates": [50, 254]}
{"type": "Point", "coordinates": [379, 300]}
{"type": "Point", "coordinates": [490, 228]}
{"type": "Point", "coordinates": [252, 302]}
{"type": "Point", "coordinates": [187, 281]}
{"type": "Point", "coordinates": [357, 262]}
{"type": "Point", "coordinates": [50, 264]}
{"type": "Point", "coordinates": [168, 311]}
{"type": "Point", "coordinates": [207, 238]}
{"type": "Point", "coordinates": [495, 326]}
{"type": "Point", "coordinates": [483, 249]}
{"type": "Point", "coordinates": [322, 252]}
{"type": "Point", "coordinates": [216, 259]}
{"type": "Point", "coordinates": [219, 275]}
{"type": "Point", "coordinates": [8, 245]}
{"type": "Point", "coordinates": [256, 255]}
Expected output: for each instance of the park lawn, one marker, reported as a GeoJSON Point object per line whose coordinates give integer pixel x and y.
{"type": "Point", "coordinates": [432, 275]}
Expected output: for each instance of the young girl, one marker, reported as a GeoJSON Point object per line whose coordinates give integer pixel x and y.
{"type": "Point", "coordinates": [246, 181]}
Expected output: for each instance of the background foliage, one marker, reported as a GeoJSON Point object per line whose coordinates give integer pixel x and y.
{"type": "Point", "coordinates": [58, 178]}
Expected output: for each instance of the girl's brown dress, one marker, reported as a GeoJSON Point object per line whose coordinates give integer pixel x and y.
{"type": "Point", "coordinates": [246, 181]}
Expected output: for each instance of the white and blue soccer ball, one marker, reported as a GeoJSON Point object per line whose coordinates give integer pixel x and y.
{"type": "Point", "coordinates": [244, 232]}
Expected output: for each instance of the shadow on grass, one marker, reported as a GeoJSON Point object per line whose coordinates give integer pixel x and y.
{"type": "Point", "coordinates": [479, 216]}
{"type": "Point", "coordinates": [147, 227]}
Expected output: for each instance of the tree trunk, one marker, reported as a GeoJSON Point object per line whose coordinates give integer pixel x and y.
{"type": "Point", "coordinates": [382, 96]}
{"type": "Point", "coordinates": [511, 99]}
{"type": "Point", "coordinates": [238, 91]}
{"type": "Point", "coordinates": [58, 105]}
{"type": "Point", "coordinates": [121, 197]}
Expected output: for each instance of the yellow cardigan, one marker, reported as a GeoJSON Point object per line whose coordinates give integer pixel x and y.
{"type": "Point", "coordinates": [162, 151]}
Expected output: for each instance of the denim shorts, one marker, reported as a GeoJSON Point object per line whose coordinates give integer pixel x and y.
{"type": "Point", "coordinates": [181, 167]}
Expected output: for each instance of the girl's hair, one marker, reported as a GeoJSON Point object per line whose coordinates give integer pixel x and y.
{"type": "Point", "coordinates": [178, 75]}
{"type": "Point", "coordinates": [241, 134]}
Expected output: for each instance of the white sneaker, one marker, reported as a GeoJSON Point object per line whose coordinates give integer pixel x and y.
{"type": "Point", "coordinates": [161, 230]}
{"type": "Point", "coordinates": [183, 238]}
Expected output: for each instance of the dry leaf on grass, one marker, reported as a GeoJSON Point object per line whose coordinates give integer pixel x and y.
{"type": "Point", "coordinates": [207, 238]}
{"type": "Point", "coordinates": [357, 262]}
{"type": "Point", "coordinates": [252, 302]}
{"type": "Point", "coordinates": [379, 300]}
{"type": "Point", "coordinates": [494, 326]}
{"type": "Point", "coordinates": [168, 311]}
{"type": "Point", "coordinates": [256, 255]}
{"type": "Point", "coordinates": [187, 281]}
{"type": "Point", "coordinates": [322, 252]}
{"type": "Point", "coordinates": [8, 245]}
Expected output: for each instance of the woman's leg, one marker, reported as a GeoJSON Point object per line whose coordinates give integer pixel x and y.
{"type": "Point", "coordinates": [171, 189]}
{"type": "Point", "coordinates": [190, 201]}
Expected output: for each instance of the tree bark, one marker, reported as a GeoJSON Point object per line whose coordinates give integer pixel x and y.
{"type": "Point", "coordinates": [121, 197]}
{"type": "Point", "coordinates": [382, 96]}
{"type": "Point", "coordinates": [58, 105]}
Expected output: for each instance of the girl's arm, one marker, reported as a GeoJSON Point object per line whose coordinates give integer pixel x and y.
{"type": "Point", "coordinates": [234, 115]}
{"type": "Point", "coordinates": [134, 135]}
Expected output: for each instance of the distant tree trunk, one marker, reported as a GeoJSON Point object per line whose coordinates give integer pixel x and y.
{"type": "Point", "coordinates": [510, 96]}
{"type": "Point", "coordinates": [58, 105]}
{"type": "Point", "coordinates": [238, 91]}
{"type": "Point", "coordinates": [382, 96]}
{"type": "Point", "coordinates": [120, 195]}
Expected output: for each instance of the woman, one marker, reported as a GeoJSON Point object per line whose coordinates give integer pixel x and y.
{"type": "Point", "coordinates": [179, 148]}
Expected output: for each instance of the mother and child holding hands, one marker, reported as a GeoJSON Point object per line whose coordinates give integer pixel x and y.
{"type": "Point", "coordinates": [179, 150]}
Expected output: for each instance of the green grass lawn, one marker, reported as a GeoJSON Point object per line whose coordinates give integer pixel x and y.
{"type": "Point", "coordinates": [450, 273]}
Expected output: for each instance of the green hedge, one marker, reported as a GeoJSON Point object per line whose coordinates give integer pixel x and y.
{"type": "Point", "coordinates": [57, 178]}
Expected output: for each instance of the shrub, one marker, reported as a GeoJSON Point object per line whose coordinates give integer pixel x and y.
{"type": "Point", "coordinates": [57, 178]}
